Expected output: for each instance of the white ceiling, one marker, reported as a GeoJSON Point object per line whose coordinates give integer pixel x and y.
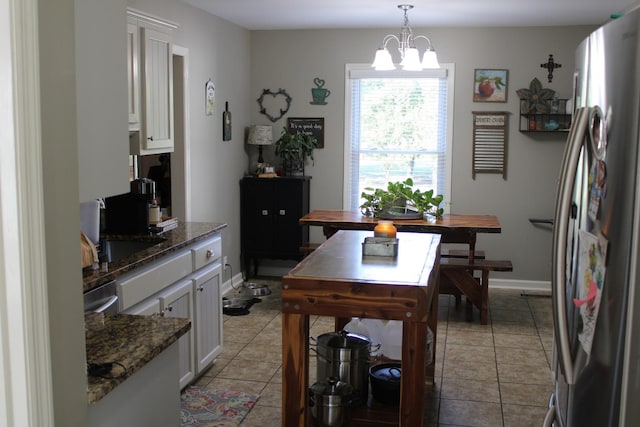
{"type": "Point", "coordinates": [303, 14]}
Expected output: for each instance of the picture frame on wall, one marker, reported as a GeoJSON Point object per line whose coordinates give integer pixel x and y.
{"type": "Point", "coordinates": [490, 85]}
{"type": "Point", "coordinates": [210, 98]}
{"type": "Point", "coordinates": [311, 126]}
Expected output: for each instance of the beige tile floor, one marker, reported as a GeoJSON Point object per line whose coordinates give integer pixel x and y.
{"type": "Point", "coordinates": [492, 375]}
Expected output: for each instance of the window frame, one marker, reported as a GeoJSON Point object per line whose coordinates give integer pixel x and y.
{"type": "Point", "coordinates": [358, 71]}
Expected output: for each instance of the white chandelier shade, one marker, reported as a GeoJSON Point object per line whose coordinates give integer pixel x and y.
{"type": "Point", "coordinates": [409, 54]}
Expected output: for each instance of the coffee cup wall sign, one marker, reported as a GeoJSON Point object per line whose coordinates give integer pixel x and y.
{"type": "Point", "coordinates": [274, 105]}
{"type": "Point", "coordinates": [319, 93]}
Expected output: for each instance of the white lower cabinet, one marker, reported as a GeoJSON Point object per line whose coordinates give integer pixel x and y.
{"type": "Point", "coordinates": [148, 307]}
{"type": "Point", "coordinates": [188, 285]}
{"type": "Point", "coordinates": [177, 301]}
{"type": "Point", "coordinates": [208, 307]}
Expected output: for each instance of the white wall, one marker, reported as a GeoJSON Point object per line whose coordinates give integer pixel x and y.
{"type": "Point", "coordinates": [292, 59]}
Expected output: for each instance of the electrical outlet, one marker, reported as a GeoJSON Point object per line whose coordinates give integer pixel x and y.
{"type": "Point", "coordinates": [224, 262]}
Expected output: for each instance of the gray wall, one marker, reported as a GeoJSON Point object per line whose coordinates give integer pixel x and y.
{"type": "Point", "coordinates": [218, 50]}
{"type": "Point", "coordinates": [292, 59]}
{"type": "Point", "coordinates": [61, 189]}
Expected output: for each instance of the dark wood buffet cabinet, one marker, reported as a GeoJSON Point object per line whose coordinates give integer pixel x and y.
{"type": "Point", "coordinates": [270, 209]}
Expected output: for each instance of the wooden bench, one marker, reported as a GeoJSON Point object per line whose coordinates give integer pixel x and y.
{"type": "Point", "coordinates": [455, 274]}
{"type": "Point", "coordinates": [460, 253]}
{"type": "Point", "coordinates": [308, 247]}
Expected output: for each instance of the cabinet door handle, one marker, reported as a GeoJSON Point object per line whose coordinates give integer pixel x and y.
{"type": "Point", "coordinates": [209, 253]}
{"type": "Point", "coordinates": [265, 212]}
{"type": "Point", "coordinates": [282, 212]}
{"type": "Point", "coordinates": [201, 288]}
{"type": "Point", "coordinates": [150, 138]}
{"type": "Point", "coordinates": [169, 308]}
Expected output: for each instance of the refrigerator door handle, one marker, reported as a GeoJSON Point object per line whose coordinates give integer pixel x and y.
{"type": "Point", "coordinates": [561, 224]}
{"type": "Point", "coordinates": [549, 417]}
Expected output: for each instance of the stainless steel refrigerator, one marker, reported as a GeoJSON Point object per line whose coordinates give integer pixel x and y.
{"type": "Point", "coordinates": [596, 235]}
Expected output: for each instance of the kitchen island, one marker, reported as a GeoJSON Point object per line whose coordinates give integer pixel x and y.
{"type": "Point", "coordinates": [337, 280]}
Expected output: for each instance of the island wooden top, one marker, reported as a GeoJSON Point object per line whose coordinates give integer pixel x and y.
{"type": "Point", "coordinates": [340, 258]}
{"type": "Point", "coordinates": [354, 220]}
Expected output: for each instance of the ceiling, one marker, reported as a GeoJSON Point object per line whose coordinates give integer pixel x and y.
{"type": "Point", "coordinates": [306, 14]}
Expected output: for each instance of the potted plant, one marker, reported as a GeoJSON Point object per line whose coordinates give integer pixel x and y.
{"type": "Point", "coordinates": [400, 200]}
{"type": "Point", "coordinates": [294, 149]}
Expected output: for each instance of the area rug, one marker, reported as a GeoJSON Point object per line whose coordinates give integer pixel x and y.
{"type": "Point", "coordinates": [209, 407]}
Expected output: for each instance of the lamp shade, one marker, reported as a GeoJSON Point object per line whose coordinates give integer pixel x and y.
{"type": "Point", "coordinates": [411, 60]}
{"type": "Point", "coordinates": [430, 59]}
{"type": "Point", "coordinates": [260, 135]}
{"type": "Point", "coordinates": [383, 61]}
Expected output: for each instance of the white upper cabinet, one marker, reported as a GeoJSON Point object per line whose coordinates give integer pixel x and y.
{"type": "Point", "coordinates": [157, 86]}
{"type": "Point", "coordinates": [152, 91]}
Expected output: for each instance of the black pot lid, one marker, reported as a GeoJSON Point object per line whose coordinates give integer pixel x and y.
{"type": "Point", "coordinates": [344, 339]}
{"type": "Point", "coordinates": [332, 387]}
{"type": "Point", "coordinates": [389, 372]}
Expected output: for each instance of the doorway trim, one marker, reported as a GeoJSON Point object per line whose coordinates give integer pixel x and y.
{"type": "Point", "coordinates": [182, 138]}
{"type": "Point", "coordinates": [25, 369]}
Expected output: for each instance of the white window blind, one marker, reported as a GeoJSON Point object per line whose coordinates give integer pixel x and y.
{"type": "Point", "coordinates": [398, 126]}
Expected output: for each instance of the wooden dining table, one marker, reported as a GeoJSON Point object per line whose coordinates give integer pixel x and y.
{"type": "Point", "coordinates": [337, 280]}
{"type": "Point", "coordinates": [454, 228]}
{"type": "Point", "coordinates": [456, 275]}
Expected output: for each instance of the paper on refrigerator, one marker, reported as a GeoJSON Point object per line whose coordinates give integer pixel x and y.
{"type": "Point", "coordinates": [591, 272]}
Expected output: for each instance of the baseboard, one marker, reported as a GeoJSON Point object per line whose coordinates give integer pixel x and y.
{"type": "Point", "coordinates": [525, 285]}
{"type": "Point", "coordinates": [233, 283]}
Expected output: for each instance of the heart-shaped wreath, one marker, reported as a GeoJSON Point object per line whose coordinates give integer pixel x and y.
{"type": "Point", "coordinates": [275, 101]}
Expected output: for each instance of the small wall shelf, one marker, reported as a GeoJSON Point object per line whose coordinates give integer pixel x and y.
{"type": "Point", "coordinates": [545, 122]}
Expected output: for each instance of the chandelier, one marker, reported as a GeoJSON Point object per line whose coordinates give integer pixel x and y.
{"type": "Point", "coordinates": [407, 48]}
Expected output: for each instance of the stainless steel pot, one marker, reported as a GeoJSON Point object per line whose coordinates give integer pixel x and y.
{"type": "Point", "coordinates": [346, 356]}
{"type": "Point", "coordinates": [330, 402]}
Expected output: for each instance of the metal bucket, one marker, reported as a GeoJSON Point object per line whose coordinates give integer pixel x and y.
{"type": "Point", "coordinates": [346, 356]}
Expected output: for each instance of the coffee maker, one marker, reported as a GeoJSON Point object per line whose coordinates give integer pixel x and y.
{"type": "Point", "coordinates": [129, 213]}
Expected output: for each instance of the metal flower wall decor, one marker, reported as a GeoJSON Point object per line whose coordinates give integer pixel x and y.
{"type": "Point", "coordinates": [536, 98]}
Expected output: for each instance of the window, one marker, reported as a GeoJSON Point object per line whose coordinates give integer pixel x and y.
{"type": "Point", "coordinates": [398, 125]}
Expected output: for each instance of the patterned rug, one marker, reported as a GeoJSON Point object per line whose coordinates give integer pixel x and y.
{"type": "Point", "coordinates": [208, 407]}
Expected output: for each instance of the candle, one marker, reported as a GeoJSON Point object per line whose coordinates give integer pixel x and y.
{"type": "Point", "coordinates": [384, 229]}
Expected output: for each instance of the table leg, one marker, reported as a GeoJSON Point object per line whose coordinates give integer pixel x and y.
{"type": "Point", "coordinates": [414, 335]}
{"type": "Point", "coordinates": [329, 231]}
{"type": "Point", "coordinates": [432, 322]}
{"type": "Point", "coordinates": [295, 369]}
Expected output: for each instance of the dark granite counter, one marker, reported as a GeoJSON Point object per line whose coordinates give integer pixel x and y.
{"type": "Point", "coordinates": [131, 341]}
{"type": "Point", "coordinates": [171, 241]}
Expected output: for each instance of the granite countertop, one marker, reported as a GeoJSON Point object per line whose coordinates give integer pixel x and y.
{"type": "Point", "coordinates": [170, 241]}
{"type": "Point", "coordinates": [131, 341]}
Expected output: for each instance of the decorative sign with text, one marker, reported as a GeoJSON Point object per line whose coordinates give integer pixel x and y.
{"type": "Point", "coordinates": [309, 126]}
{"type": "Point", "coordinates": [490, 142]}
